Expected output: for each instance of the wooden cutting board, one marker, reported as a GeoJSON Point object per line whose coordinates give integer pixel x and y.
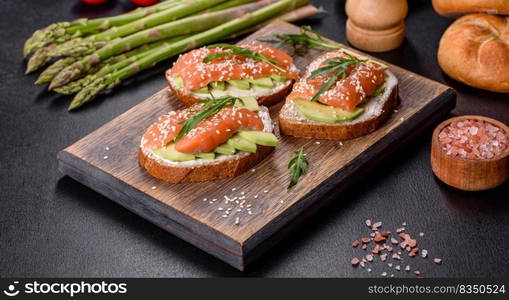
{"type": "Point", "coordinates": [264, 210]}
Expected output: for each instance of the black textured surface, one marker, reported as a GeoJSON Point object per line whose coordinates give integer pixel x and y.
{"type": "Point", "coordinates": [53, 226]}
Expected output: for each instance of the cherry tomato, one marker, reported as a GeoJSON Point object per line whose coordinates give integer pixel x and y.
{"type": "Point", "coordinates": [144, 2]}
{"type": "Point", "coordinates": [94, 1]}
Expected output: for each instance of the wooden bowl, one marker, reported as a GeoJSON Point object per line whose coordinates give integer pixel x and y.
{"type": "Point", "coordinates": [467, 174]}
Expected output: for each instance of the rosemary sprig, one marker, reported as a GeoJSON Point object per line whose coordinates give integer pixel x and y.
{"type": "Point", "coordinates": [240, 51]}
{"type": "Point", "coordinates": [338, 67]}
{"type": "Point", "coordinates": [301, 43]}
{"type": "Point", "coordinates": [298, 166]}
{"type": "Point", "coordinates": [211, 107]}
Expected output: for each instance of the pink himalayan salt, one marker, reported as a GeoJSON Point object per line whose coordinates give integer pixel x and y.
{"type": "Point", "coordinates": [473, 139]}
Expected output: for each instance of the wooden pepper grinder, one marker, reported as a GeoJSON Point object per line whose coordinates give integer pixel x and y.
{"type": "Point", "coordinates": [376, 25]}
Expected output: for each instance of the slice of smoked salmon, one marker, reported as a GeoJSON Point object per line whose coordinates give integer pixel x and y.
{"type": "Point", "coordinates": [216, 130]}
{"type": "Point", "coordinates": [207, 135]}
{"type": "Point", "coordinates": [196, 74]}
{"type": "Point", "coordinates": [347, 93]}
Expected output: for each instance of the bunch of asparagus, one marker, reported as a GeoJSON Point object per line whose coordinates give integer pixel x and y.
{"type": "Point", "coordinates": [91, 55]}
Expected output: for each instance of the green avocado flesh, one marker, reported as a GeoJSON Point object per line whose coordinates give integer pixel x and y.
{"type": "Point", "coordinates": [264, 82]}
{"type": "Point", "coordinates": [208, 155]}
{"type": "Point", "coordinates": [325, 113]}
{"type": "Point", "coordinates": [242, 84]}
{"type": "Point", "coordinates": [259, 138]}
{"type": "Point", "coordinates": [242, 141]}
{"type": "Point", "coordinates": [225, 149]}
{"type": "Point", "coordinates": [249, 103]}
{"type": "Point", "coordinates": [241, 144]}
{"type": "Point", "coordinates": [170, 153]}
{"type": "Point", "coordinates": [218, 85]}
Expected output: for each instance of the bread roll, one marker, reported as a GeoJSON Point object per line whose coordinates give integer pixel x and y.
{"type": "Point", "coordinates": [475, 51]}
{"type": "Point", "coordinates": [454, 8]}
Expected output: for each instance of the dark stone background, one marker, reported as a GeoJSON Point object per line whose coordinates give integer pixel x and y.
{"type": "Point", "coordinates": [51, 225]}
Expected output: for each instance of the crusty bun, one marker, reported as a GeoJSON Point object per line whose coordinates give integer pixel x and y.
{"type": "Point", "coordinates": [377, 111]}
{"type": "Point", "coordinates": [222, 166]}
{"type": "Point", "coordinates": [188, 99]}
{"type": "Point", "coordinates": [475, 51]}
{"type": "Point", "coordinates": [454, 8]}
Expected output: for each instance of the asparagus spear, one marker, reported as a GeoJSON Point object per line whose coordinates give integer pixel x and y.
{"type": "Point", "coordinates": [84, 46]}
{"type": "Point", "coordinates": [73, 48]}
{"type": "Point", "coordinates": [182, 9]}
{"type": "Point", "coordinates": [50, 72]}
{"type": "Point", "coordinates": [64, 31]}
{"type": "Point", "coordinates": [184, 26]}
{"type": "Point", "coordinates": [110, 66]}
{"type": "Point", "coordinates": [167, 51]}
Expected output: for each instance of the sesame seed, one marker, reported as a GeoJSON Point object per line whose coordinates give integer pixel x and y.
{"type": "Point", "coordinates": [107, 148]}
{"type": "Point", "coordinates": [105, 157]}
{"type": "Point", "coordinates": [318, 143]}
{"type": "Point", "coordinates": [266, 191]}
{"type": "Point", "coordinates": [154, 187]}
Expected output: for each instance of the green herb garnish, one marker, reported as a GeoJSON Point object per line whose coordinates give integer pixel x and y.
{"type": "Point", "coordinates": [236, 50]}
{"type": "Point", "coordinates": [211, 107]}
{"type": "Point", "coordinates": [338, 67]}
{"type": "Point", "coordinates": [301, 43]}
{"type": "Point", "coordinates": [298, 166]}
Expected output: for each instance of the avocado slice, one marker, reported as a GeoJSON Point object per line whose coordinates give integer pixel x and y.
{"type": "Point", "coordinates": [179, 82]}
{"type": "Point", "coordinates": [259, 137]}
{"type": "Point", "coordinates": [240, 84]}
{"type": "Point", "coordinates": [203, 90]}
{"type": "Point", "coordinates": [208, 155]}
{"type": "Point", "coordinates": [225, 149]}
{"type": "Point", "coordinates": [249, 103]}
{"type": "Point", "coordinates": [218, 85]}
{"type": "Point", "coordinates": [170, 153]}
{"type": "Point", "coordinates": [264, 82]}
{"type": "Point", "coordinates": [241, 144]}
{"type": "Point", "coordinates": [278, 78]}
{"type": "Point", "coordinates": [325, 113]}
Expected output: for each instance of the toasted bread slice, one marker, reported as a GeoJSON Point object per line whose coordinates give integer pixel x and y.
{"type": "Point", "coordinates": [377, 111]}
{"type": "Point", "coordinates": [263, 96]}
{"type": "Point", "coordinates": [222, 166]}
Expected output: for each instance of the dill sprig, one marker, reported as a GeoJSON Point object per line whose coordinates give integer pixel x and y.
{"type": "Point", "coordinates": [298, 166]}
{"type": "Point", "coordinates": [210, 107]}
{"type": "Point", "coordinates": [240, 51]}
{"type": "Point", "coordinates": [301, 43]}
{"type": "Point", "coordinates": [338, 67]}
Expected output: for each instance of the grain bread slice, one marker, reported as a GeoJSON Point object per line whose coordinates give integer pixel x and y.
{"type": "Point", "coordinates": [263, 96]}
{"type": "Point", "coordinates": [377, 111]}
{"type": "Point", "coordinates": [222, 166]}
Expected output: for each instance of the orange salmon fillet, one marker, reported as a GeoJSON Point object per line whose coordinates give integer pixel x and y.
{"type": "Point", "coordinates": [346, 93]}
{"type": "Point", "coordinates": [206, 136]}
{"type": "Point", "coordinates": [196, 74]}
